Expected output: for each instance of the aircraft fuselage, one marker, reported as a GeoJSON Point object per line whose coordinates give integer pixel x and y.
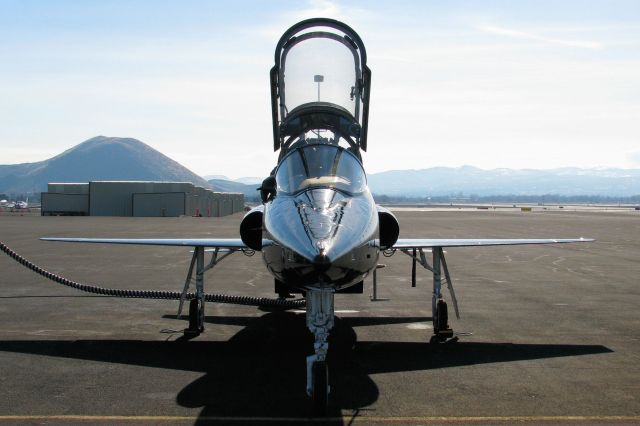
{"type": "Point", "coordinates": [322, 238]}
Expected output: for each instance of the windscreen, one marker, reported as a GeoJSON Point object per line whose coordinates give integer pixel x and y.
{"type": "Point", "coordinates": [325, 166]}
{"type": "Point", "coordinates": [320, 69]}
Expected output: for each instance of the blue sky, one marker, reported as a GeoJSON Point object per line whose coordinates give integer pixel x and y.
{"type": "Point", "coordinates": [516, 84]}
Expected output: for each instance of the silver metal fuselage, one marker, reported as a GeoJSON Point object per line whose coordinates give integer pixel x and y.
{"type": "Point", "coordinates": [322, 237]}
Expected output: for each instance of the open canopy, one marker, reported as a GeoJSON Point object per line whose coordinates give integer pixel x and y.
{"type": "Point", "coordinates": [320, 82]}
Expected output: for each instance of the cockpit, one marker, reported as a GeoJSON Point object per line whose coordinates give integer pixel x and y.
{"type": "Point", "coordinates": [320, 87]}
{"type": "Point", "coordinates": [319, 165]}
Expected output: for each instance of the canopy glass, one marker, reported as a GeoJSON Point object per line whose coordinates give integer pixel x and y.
{"type": "Point", "coordinates": [319, 69]}
{"type": "Point", "coordinates": [320, 166]}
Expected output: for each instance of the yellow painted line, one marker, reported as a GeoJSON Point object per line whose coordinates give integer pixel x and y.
{"type": "Point", "coordinates": [496, 419]}
{"type": "Point", "coordinates": [346, 417]}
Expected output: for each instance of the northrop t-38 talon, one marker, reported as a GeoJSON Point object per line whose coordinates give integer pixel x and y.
{"type": "Point", "coordinates": [318, 228]}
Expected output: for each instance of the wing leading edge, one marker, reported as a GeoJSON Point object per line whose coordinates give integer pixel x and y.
{"type": "Point", "coordinates": [407, 243]}
{"type": "Point", "coordinates": [227, 243]}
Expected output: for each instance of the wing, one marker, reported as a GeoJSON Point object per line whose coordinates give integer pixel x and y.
{"type": "Point", "coordinates": [225, 243]}
{"type": "Point", "coordinates": [408, 243]}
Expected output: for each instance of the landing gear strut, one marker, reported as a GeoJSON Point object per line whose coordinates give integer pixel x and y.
{"type": "Point", "coordinates": [320, 320]}
{"type": "Point", "coordinates": [440, 315]}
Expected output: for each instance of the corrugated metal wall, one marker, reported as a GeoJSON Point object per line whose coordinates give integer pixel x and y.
{"type": "Point", "coordinates": [161, 204]}
{"type": "Point", "coordinates": [64, 204]}
{"type": "Point", "coordinates": [117, 198]}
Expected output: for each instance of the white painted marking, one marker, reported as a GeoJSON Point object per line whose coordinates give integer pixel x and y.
{"type": "Point", "coordinates": [419, 326]}
{"type": "Point", "coordinates": [82, 333]}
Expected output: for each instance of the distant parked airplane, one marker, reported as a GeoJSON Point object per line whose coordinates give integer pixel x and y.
{"type": "Point", "coordinates": [318, 228]}
{"type": "Point", "coordinates": [22, 205]}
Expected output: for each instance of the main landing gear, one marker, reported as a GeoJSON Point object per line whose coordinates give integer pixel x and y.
{"type": "Point", "coordinates": [196, 306]}
{"type": "Point", "coordinates": [439, 310]}
{"type": "Point", "coordinates": [440, 315]}
{"type": "Point", "coordinates": [320, 321]}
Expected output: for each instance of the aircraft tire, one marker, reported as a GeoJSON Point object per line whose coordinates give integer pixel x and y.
{"type": "Point", "coordinates": [320, 393]}
{"type": "Point", "coordinates": [194, 316]}
{"type": "Point", "coordinates": [442, 316]}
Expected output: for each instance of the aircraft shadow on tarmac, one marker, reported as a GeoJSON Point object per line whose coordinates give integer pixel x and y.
{"type": "Point", "coordinates": [260, 371]}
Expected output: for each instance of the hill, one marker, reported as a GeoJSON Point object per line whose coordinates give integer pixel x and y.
{"type": "Point", "coordinates": [222, 185]}
{"type": "Point", "coordinates": [472, 181]}
{"type": "Point", "coordinates": [99, 158]}
{"type": "Point", "coordinates": [438, 181]}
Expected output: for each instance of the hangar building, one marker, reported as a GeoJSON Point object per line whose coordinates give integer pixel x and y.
{"type": "Point", "coordinates": [147, 199]}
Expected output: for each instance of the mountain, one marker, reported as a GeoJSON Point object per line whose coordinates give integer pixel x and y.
{"type": "Point", "coordinates": [99, 158]}
{"type": "Point", "coordinates": [251, 180]}
{"type": "Point", "coordinates": [222, 185]}
{"type": "Point", "coordinates": [209, 177]}
{"type": "Point", "coordinates": [469, 180]}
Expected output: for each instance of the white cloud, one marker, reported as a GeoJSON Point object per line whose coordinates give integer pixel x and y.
{"type": "Point", "coordinates": [273, 29]}
{"type": "Point", "coordinates": [331, 9]}
{"type": "Point", "coordinates": [583, 44]}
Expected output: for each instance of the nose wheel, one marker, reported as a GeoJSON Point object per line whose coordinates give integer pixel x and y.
{"type": "Point", "coordinates": [320, 388]}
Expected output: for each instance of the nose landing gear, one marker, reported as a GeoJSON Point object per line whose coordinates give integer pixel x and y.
{"type": "Point", "coordinates": [320, 320]}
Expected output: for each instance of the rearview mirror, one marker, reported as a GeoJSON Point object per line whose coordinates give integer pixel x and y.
{"type": "Point", "coordinates": [268, 189]}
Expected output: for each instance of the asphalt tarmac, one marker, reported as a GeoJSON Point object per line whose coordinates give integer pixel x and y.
{"type": "Point", "coordinates": [548, 334]}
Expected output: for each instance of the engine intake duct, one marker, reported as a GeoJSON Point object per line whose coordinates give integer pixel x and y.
{"type": "Point", "coordinates": [388, 227]}
{"type": "Point", "coordinates": [251, 228]}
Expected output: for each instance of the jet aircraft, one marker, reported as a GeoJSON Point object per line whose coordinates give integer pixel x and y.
{"type": "Point", "coordinates": [318, 228]}
{"type": "Point", "coordinates": [21, 205]}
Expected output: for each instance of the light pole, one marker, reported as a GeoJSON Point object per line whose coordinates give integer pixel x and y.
{"type": "Point", "coordinates": [318, 79]}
